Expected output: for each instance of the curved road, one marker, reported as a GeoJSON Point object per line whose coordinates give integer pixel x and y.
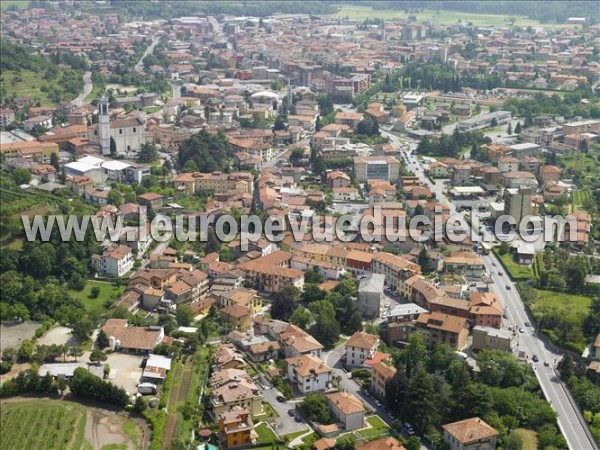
{"type": "Point", "coordinates": [87, 88]}
{"type": "Point", "coordinates": [139, 67]}
{"type": "Point", "coordinates": [570, 420]}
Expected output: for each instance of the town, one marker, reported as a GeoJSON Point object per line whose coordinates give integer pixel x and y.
{"type": "Point", "coordinates": [466, 134]}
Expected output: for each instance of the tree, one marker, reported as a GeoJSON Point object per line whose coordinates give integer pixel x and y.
{"type": "Point", "coordinates": [509, 129]}
{"type": "Point", "coordinates": [85, 384]}
{"type": "Point", "coordinates": [75, 352]}
{"type": "Point", "coordinates": [313, 276]}
{"type": "Point", "coordinates": [420, 403]}
{"type": "Point", "coordinates": [102, 339]}
{"type": "Point", "coordinates": [54, 162]}
{"type": "Point", "coordinates": [414, 443]}
{"type": "Point", "coordinates": [518, 128]}
{"type": "Point", "coordinates": [326, 329]}
{"type": "Point", "coordinates": [425, 261]}
{"type": "Point", "coordinates": [82, 329]}
{"type": "Point", "coordinates": [115, 197]}
{"type": "Point", "coordinates": [21, 176]}
{"type": "Point", "coordinates": [346, 442]}
{"type": "Point", "coordinates": [301, 317]}
{"type": "Point", "coordinates": [494, 123]}
{"type": "Point", "coordinates": [283, 306]}
{"type": "Point", "coordinates": [184, 315]}
{"type": "Point", "coordinates": [312, 293]}
{"type": "Point", "coordinates": [97, 356]}
{"type": "Point", "coordinates": [113, 147]}
{"type": "Point", "coordinates": [513, 441]}
{"type": "Point", "coordinates": [140, 405]}
{"type": "Point", "coordinates": [368, 127]}
{"type": "Point", "coordinates": [94, 292]}
{"type": "Point", "coordinates": [61, 384]}
{"type": "Point", "coordinates": [148, 153]}
{"type": "Point", "coordinates": [315, 408]}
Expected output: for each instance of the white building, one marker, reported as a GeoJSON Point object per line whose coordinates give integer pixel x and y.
{"type": "Point", "coordinates": [370, 292]}
{"type": "Point", "coordinates": [115, 262]}
{"type": "Point", "coordinates": [360, 347]}
{"type": "Point", "coordinates": [308, 373]}
{"type": "Point", "coordinates": [129, 134]}
{"type": "Point", "coordinates": [348, 409]}
{"type": "Point", "coordinates": [484, 121]}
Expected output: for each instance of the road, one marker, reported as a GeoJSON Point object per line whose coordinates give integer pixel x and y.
{"type": "Point", "coordinates": [87, 88]}
{"type": "Point", "coordinates": [570, 420]}
{"type": "Point", "coordinates": [139, 67]}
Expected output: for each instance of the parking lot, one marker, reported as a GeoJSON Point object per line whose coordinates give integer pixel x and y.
{"type": "Point", "coordinates": [12, 336]}
{"type": "Point", "coordinates": [58, 336]}
{"type": "Point", "coordinates": [285, 424]}
{"type": "Point", "coordinates": [125, 370]}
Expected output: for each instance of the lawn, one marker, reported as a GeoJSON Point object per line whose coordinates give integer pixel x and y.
{"type": "Point", "coordinates": [575, 305]}
{"type": "Point", "coordinates": [108, 291]}
{"type": "Point", "coordinates": [377, 428]}
{"type": "Point", "coordinates": [265, 434]}
{"type": "Point", "coordinates": [442, 17]}
{"type": "Point", "coordinates": [515, 271]}
{"type": "Point", "coordinates": [22, 4]}
{"type": "Point", "coordinates": [529, 438]}
{"type": "Point", "coordinates": [290, 437]}
{"type": "Point", "coordinates": [94, 93]}
{"type": "Point", "coordinates": [56, 424]}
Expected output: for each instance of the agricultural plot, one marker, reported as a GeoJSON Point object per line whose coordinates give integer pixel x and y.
{"type": "Point", "coordinates": [59, 424]}
{"type": "Point", "coordinates": [56, 425]}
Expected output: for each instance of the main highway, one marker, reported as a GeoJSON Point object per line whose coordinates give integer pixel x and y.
{"type": "Point", "coordinates": [570, 420]}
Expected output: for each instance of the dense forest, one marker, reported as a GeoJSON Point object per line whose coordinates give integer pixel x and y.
{"type": "Point", "coordinates": [556, 12]}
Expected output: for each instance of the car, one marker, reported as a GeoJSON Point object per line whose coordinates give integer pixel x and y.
{"type": "Point", "coordinates": [527, 324]}
{"type": "Point", "coordinates": [521, 330]}
{"type": "Point", "coordinates": [298, 419]}
{"type": "Point", "coordinates": [500, 274]}
{"type": "Point", "coordinates": [508, 288]}
{"type": "Point", "coordinates": [292, 413]}
{"type": "Point", "coordinates": [281, 399]}
{"type": "Point", "coordinates": [546, 363]}
{"type": "Point", "coordinates": [408, 429]}
{"type": "Point", "coordinates": [535, 358]}
{"type": "Point", "coordinates": [510, 328]}
{"type": "Point", "coordinates": [384, 409]}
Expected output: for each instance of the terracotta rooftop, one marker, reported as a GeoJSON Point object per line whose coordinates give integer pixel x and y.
{"type": "Point", "coordinates": [470, 430]}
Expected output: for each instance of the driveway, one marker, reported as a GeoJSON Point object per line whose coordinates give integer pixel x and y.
{"type": "Point", "coordinates": [284, 424]}
{"type": "Point", "coordinates": [125, 370]}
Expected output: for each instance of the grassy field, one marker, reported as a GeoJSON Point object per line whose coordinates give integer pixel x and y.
{"type": "Point", "coordinates": [515, 271]}
{"type": "Point", "coordinates": [265, 434]}
{"type": "Point", "coordinates": [28, 84]}
{"type": "Point", "coordinates": [56, 425]}
{"type": "Point", "coordinates": [108, 291]}
{"type": "Point", "coordinates": [22, 4]}
{"type": "Point", "coordinates": [378, 428]}
{"type": "Point", "coordinates": [94, 93]}
{"type": "Point", "coordinates": [529, 438]}
{"type": "Point", "coordinates": [442, 17]}
{"type": "Point", "coordinates": [574, 305]}
{"type": "Point", "coordinates": [580, 197]}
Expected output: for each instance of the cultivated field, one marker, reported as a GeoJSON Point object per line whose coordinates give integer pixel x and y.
{"type": "Point", "coordinates": [442, 17]}
{"type": "Point", "coordinates": [56, 424]}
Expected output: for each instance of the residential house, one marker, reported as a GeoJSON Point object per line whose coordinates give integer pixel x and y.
{"type": "Point", "coordinates": [470, 434]}
{"type": "Point", "coordinates": [295, 342]}
{"type": "Point", "coordinates": [348, 410]}
{"type": "Point", "coordinates": [236, 429]}
{"type": "Point", "coordinates": [437, 327]}
{"type": "Point", "coordinates": [238, 316]}
{"type": "Point", "coordinates": [243, 393]}
{"type": "Point", "coordinates": [261, 275]}
{"type": "Point", "coordinates": [486, 309]}
{"type": "Point", "coordinates": [370, 293]}
{"type": "Point", "coordinates": [385, 443]}
{"type": "Point", "coordinates": [491, 338]}
{"type": "Point", "coordinates": [465, 263]}
{"type": "Point", "coordinates": [115, 262]}
{"type": "Point", "coordinates": [308, 373]}
{"type": "Point", "coordinates": [337, 179]}
{"type": "Point", "coordinates": [263, 351]}
{"type": "Point", "coordinates": [381, 374]}
{"type": "Point", "coordinates": [396, 269]}
{"type": "Point", "coordinates": [123, 337]}
{"type": "Point", "coordinates": [360, 347]}
{"type": "Point", "coordinates": [151, 200]}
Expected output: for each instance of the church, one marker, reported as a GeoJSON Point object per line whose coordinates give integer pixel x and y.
{"type": "Point", "coordinates": [129, 133]}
